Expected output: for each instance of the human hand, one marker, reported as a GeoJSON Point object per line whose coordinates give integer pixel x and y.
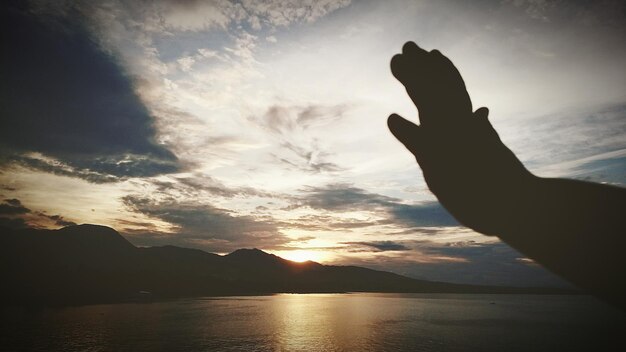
{"type": "Point", "coordinates": [472, 173]}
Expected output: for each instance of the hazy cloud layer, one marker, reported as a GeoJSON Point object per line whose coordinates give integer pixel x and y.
{"type": "Point", "coordinates": [204, 226]}
{"type": "Point", "coordinates": [492, 263]}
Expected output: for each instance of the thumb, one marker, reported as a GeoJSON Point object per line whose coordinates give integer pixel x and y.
{"type": "Point", "coordinates": [406, 132]}
{"type": "Point", "coordinates": [482, 114]}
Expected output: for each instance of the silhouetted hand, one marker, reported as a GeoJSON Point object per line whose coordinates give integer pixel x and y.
{"type": "Point", "coordinates": [574, 228]}
{"type": "Point", "coordinates": [472, 173]}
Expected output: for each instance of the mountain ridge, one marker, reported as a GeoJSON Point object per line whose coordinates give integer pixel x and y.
{"type": "Point", "coordinates": [86, 263]}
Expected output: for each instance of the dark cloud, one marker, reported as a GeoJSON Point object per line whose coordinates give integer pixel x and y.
{"type": "Point", "coordinates": [13, 214]}
{"type": "Point", "coordinates": [380, 246]}
{"type": "Point", "coordinates": [59, 220]}
{"type": "Point", "coordinates": [63, 97]}
{"type": "Point", "coordinates": [54, 167]}
{"type": "Point", "coordinates": [345, 197]}
{"type": "Point", "coordinates": [216, 187]}
{"type": "Point", "coordinates": [12, 207]}
{"type": "Point", "coordinates": [13, 202]}
{"type": "Point", "coordinates": [422, 215]}
{"type": "Point", "coordinates": [204, 226]}
{"type": "Point", "coordinates": [191, 186]}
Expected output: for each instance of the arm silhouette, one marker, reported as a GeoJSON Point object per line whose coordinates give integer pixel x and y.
{"type": "Point", "coordinates": [576, 229]}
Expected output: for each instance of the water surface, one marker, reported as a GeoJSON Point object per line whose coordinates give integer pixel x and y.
{"type": "Point", "coordinates": [321, 322]}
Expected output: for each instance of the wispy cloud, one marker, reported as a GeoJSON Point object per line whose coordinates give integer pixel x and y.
{"type": "Point", "coordinates": [345, 197]}
{"type": "Point", "coordinates": [587, 144]}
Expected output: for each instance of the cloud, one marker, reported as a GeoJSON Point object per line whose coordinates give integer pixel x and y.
{"type": "Point", "coordinates": [311, 160]}
{"type": "Point", "coordinates": [486, 263]}
{"type": "Point", "coordinates": [168, 16]}
{"type": "Point", "coordinates": [345, 197]}
{"type": "Point", "coordinates": [605, 12]}
{"type": "Point", "coordinates": [12, 207]}
{"type": "Point", "coordinates": [276, 13]}
{"type": "Point", "coordinates": [588, 144]}
{"type": "Point", "coordinates": [97, 169]}
{"type": "Point", "coordinates": [204, 226]}
{"type": "Point", "coordinates": [536, 9]}
{"type": "Point", "coordinates": [196, 15]}
{"type": "Point", "coordinates": [325, 222]}
{"type": "Point", "coordinates": [284, 119]}
{"type": "Point", "coordinates": [425, 214]}
{"type": "Point", "coordinates": [291, 127]}
{"type": "Point", "coordinates": [381, 246]}
{"type": "Point", "coordinates": [59, 220]}
{"type": "Point", "coordinates": [68, 100]}
{"type": "Point", "coordinates": [196, 185]}
{"type": "Point", "coordinates": [14, 214]}
{"type": "Point", "coordinates": [489, 263]}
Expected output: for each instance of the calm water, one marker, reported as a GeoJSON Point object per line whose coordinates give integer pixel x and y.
{"type": "Point", "coordinates": [321, 322]}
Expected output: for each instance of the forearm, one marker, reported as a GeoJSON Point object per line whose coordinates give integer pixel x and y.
{"type": "Point", "coordinates": [576, 229]}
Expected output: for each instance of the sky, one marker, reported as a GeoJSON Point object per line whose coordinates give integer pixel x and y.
{"type": "Point", "coordinates": [221, 125]}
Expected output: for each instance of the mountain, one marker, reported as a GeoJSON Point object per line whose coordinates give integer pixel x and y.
{"type": "Point", "coordinates": [92, 264]}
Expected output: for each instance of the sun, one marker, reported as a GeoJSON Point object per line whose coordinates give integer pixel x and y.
{"type": "Point", "coordinates": [301, 255]}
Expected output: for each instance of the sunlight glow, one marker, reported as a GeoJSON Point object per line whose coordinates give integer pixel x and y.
{"type": "Point", "coordinates": [302, 255]}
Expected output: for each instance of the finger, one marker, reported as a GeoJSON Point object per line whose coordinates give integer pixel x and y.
{"type": "Point", "coordinates": [434, 85]}
{"type": "Point", "coordinates": [449, 91]}
{"type": "Point", "coordinates": [482, 116]}
{"type": "Point", "coordinates": [406, 132]}
{"type": "Point", "coordinates": [410, 48]}
{"type": "Point", "coordinates": [398, 67]}
{"type": "Point", "coordinates": [410, 68]}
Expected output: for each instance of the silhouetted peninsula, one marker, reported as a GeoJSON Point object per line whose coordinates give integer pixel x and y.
{"type": "Point", "coordinates": [92, 264]}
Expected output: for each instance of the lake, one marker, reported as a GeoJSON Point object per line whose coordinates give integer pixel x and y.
{"type": "Point", "coordinates": [321, 322]}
